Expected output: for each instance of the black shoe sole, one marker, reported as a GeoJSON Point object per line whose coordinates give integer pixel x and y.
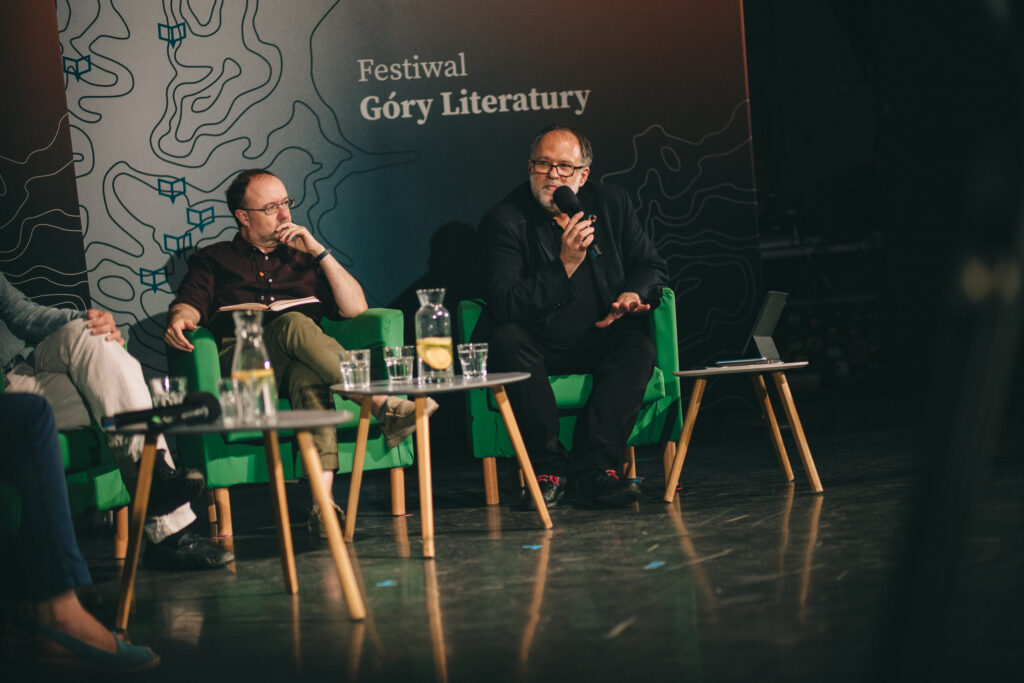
{"type": "Point", "coordinates": [624, 497]}
{"type": "Point", "coordinates": [182, 562]}
{"type": "Point", "coordinates": [619, 499]}
{"type": "Point", "coordinates": [525, 503]}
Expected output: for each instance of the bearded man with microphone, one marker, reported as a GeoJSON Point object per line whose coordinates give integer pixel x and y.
{"type": "Point", "coordinates": [570, 276]}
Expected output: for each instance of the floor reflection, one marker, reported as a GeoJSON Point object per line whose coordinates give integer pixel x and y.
{"type": "Point", "coordinates": [436, 622]}
{"type": "Point", "coordinates": [533, 615]}
{"type": "Point", "coordinates": [812, 505]}
{"type": "Point", "coordinates": [696, 562]}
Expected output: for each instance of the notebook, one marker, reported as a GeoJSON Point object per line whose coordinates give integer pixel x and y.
{"type": "Point", "coordinates": [761, 335]}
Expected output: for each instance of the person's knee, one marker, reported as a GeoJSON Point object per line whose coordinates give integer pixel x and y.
{"type": "Point", "coordinates": [29, 413]}
{"type": "Point", "coordinates": [292, 323]}
{"type": "Point", "coordinates": [638, 349]}
{"type": "Point", "coordinates": [76, 336]}
{"type": "Point", "coordinates": [511, 347]}
{"type": "Point", "coordinates": [647, 349]}
{"type": "Point", "coordinates": [312, 397]}
{"type": "Point", "coordinates": [74, 328]}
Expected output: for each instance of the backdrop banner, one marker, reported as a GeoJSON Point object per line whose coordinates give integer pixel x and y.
{"type": "Point", "coordinates": [395, 125]}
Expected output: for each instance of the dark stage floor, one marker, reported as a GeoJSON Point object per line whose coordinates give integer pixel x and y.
{"type": "Point", "coordinates": [745, 577]}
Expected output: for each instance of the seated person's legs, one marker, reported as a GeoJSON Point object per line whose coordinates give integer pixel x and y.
{"type": "Point", "coordinates": [83, 373]}
{"type": "Point", "coordinates": [306, 363]}
{"type": "Point", "coordinates": [513, 349]}
{"type": "Point", "coordinates": [621, 363]}
{"type": "Point", "coordinates": [307, 391]}
{"type": "Point", "coordinates": [49, 564]}
{"type": "Point", "coordinates": [293, 336]}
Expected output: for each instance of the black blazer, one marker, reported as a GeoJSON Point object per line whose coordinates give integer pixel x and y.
{"type": "Point", "coordinates": [526, 282]}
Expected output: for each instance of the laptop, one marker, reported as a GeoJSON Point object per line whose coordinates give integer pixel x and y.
{"type": "Point", "coordinates": [761, 335]}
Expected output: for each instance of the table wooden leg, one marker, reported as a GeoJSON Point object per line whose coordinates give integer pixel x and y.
{"type": "Point", "coordinates": [358, 463]}
{"type": "Point", "coordinates": [275, 476]}
{"type": "Point", "coordinates": [349, 585]}
{"type": "Point", "coordinates": [684, 439]}
{"type": "Point", "coordinates": [798, 431]}
{"type": "Point", "coordinates": [211, 513]}
{"type": "Point", "coordinates": [761, 391]}
{"type": "Point", "coordinates": [668, 456]}
{"type": "Point", "coordinates": [501, 398]}
{"type": "Point", "coordinates": [121, 516]}
{"type": "Point", "coordinates": [222, 497]}
{"type": "Point", "coordinates": [397, 491]}
{"type": "Point", "coordinates": [138, 520]}
{"type": "Point", "coordinates": [426, 486]}
{"type": "Point", "coordinates": [491, 481]}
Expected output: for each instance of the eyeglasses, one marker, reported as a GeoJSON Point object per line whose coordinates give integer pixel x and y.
{"type": "Point", "coordinates": [270, 209]}
{"type": "Point", "coordinates": [544, 167]}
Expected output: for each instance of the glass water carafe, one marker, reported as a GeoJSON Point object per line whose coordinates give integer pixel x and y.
{"type": "Point", "coordinates": [433, 337]}
{"type": "Point", "coordinates": [251, 367]}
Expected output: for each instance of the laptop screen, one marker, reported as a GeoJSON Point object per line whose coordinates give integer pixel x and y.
{"type": "Point", "coordinates": [764, 326]}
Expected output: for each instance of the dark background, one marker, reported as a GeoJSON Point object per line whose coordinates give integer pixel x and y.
{"type": "Point", "coordinates": [887, 142]}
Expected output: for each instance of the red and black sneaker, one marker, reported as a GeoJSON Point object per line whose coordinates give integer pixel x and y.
{"type": "Point", "coordinates": [552, 488]}
{"type": "Point", "coordinates": [605, 489]}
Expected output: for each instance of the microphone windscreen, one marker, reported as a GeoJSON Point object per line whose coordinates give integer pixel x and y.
{"type": "Point", "coordinates": [200, 400]}
{"type": "Point", "coordinates": [566, 200]}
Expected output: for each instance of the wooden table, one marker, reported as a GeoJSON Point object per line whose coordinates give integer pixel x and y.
{"type": "Point", "coordinates": [419, 392]}
{"type": "Point", "coordinates": [756, 371]}
{"type": "Point", "coordinates": [300, 421]}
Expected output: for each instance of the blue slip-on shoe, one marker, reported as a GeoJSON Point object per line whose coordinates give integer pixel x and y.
{"type": "Point", "coordinates": [128, 658]}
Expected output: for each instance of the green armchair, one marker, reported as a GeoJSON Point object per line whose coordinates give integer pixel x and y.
{"type": "Point", "coordinates": [659, 422]}
{"type": "Point", "coordinates": [93, 478]}
{"type": "Point", "coordinates": [238, 458]}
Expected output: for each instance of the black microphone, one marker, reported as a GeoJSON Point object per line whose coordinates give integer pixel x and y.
{"type": "Point", "coordinates": [198, 407]}
{"type": "Point", "coordinates": [569, 204]}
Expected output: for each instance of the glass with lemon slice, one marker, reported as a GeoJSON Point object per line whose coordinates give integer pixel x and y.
{"type": "Point", "coordinates": [434, 353]}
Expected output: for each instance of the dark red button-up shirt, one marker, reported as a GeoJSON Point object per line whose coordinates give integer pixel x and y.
{"type": "Point", "coordinates": [236, 272]}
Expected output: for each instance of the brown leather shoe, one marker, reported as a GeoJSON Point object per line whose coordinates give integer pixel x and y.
{"type": "Point", "coordinates": [398, 419]}
{"type": "Point", "coordinates": [315, 523]}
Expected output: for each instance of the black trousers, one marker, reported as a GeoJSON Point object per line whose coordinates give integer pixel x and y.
{"type": "Point", "coordinates": [621, 362]}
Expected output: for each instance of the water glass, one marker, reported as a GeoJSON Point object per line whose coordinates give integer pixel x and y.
{"type": "Point", "coordinates": [230, 396]}
{"type": "Point", "coordinates": [168, 391]}
{"type": "Point", "coordinates": [473, 359]}
{"type": "Point", "coordinates": [399, 360]}
{"type": "Point", "coordinates": [257, 393]}
{"type": "Point", "coordinates": [355, 368]}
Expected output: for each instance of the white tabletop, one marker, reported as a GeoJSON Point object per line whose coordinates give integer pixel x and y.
{"type": "Point", "coordinates": [285, 419]}
{"type": "Point", "coordinates": [414, 388]}
{"type": "Point", "coordinates": [741, 369]}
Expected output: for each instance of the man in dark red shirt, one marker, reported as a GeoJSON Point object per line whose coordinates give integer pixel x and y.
{"type": "Point", "coordinates": [270, 259]}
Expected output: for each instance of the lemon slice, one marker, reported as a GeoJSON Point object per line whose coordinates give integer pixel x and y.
{"type": "Point", "coordinates": [438, 358]}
